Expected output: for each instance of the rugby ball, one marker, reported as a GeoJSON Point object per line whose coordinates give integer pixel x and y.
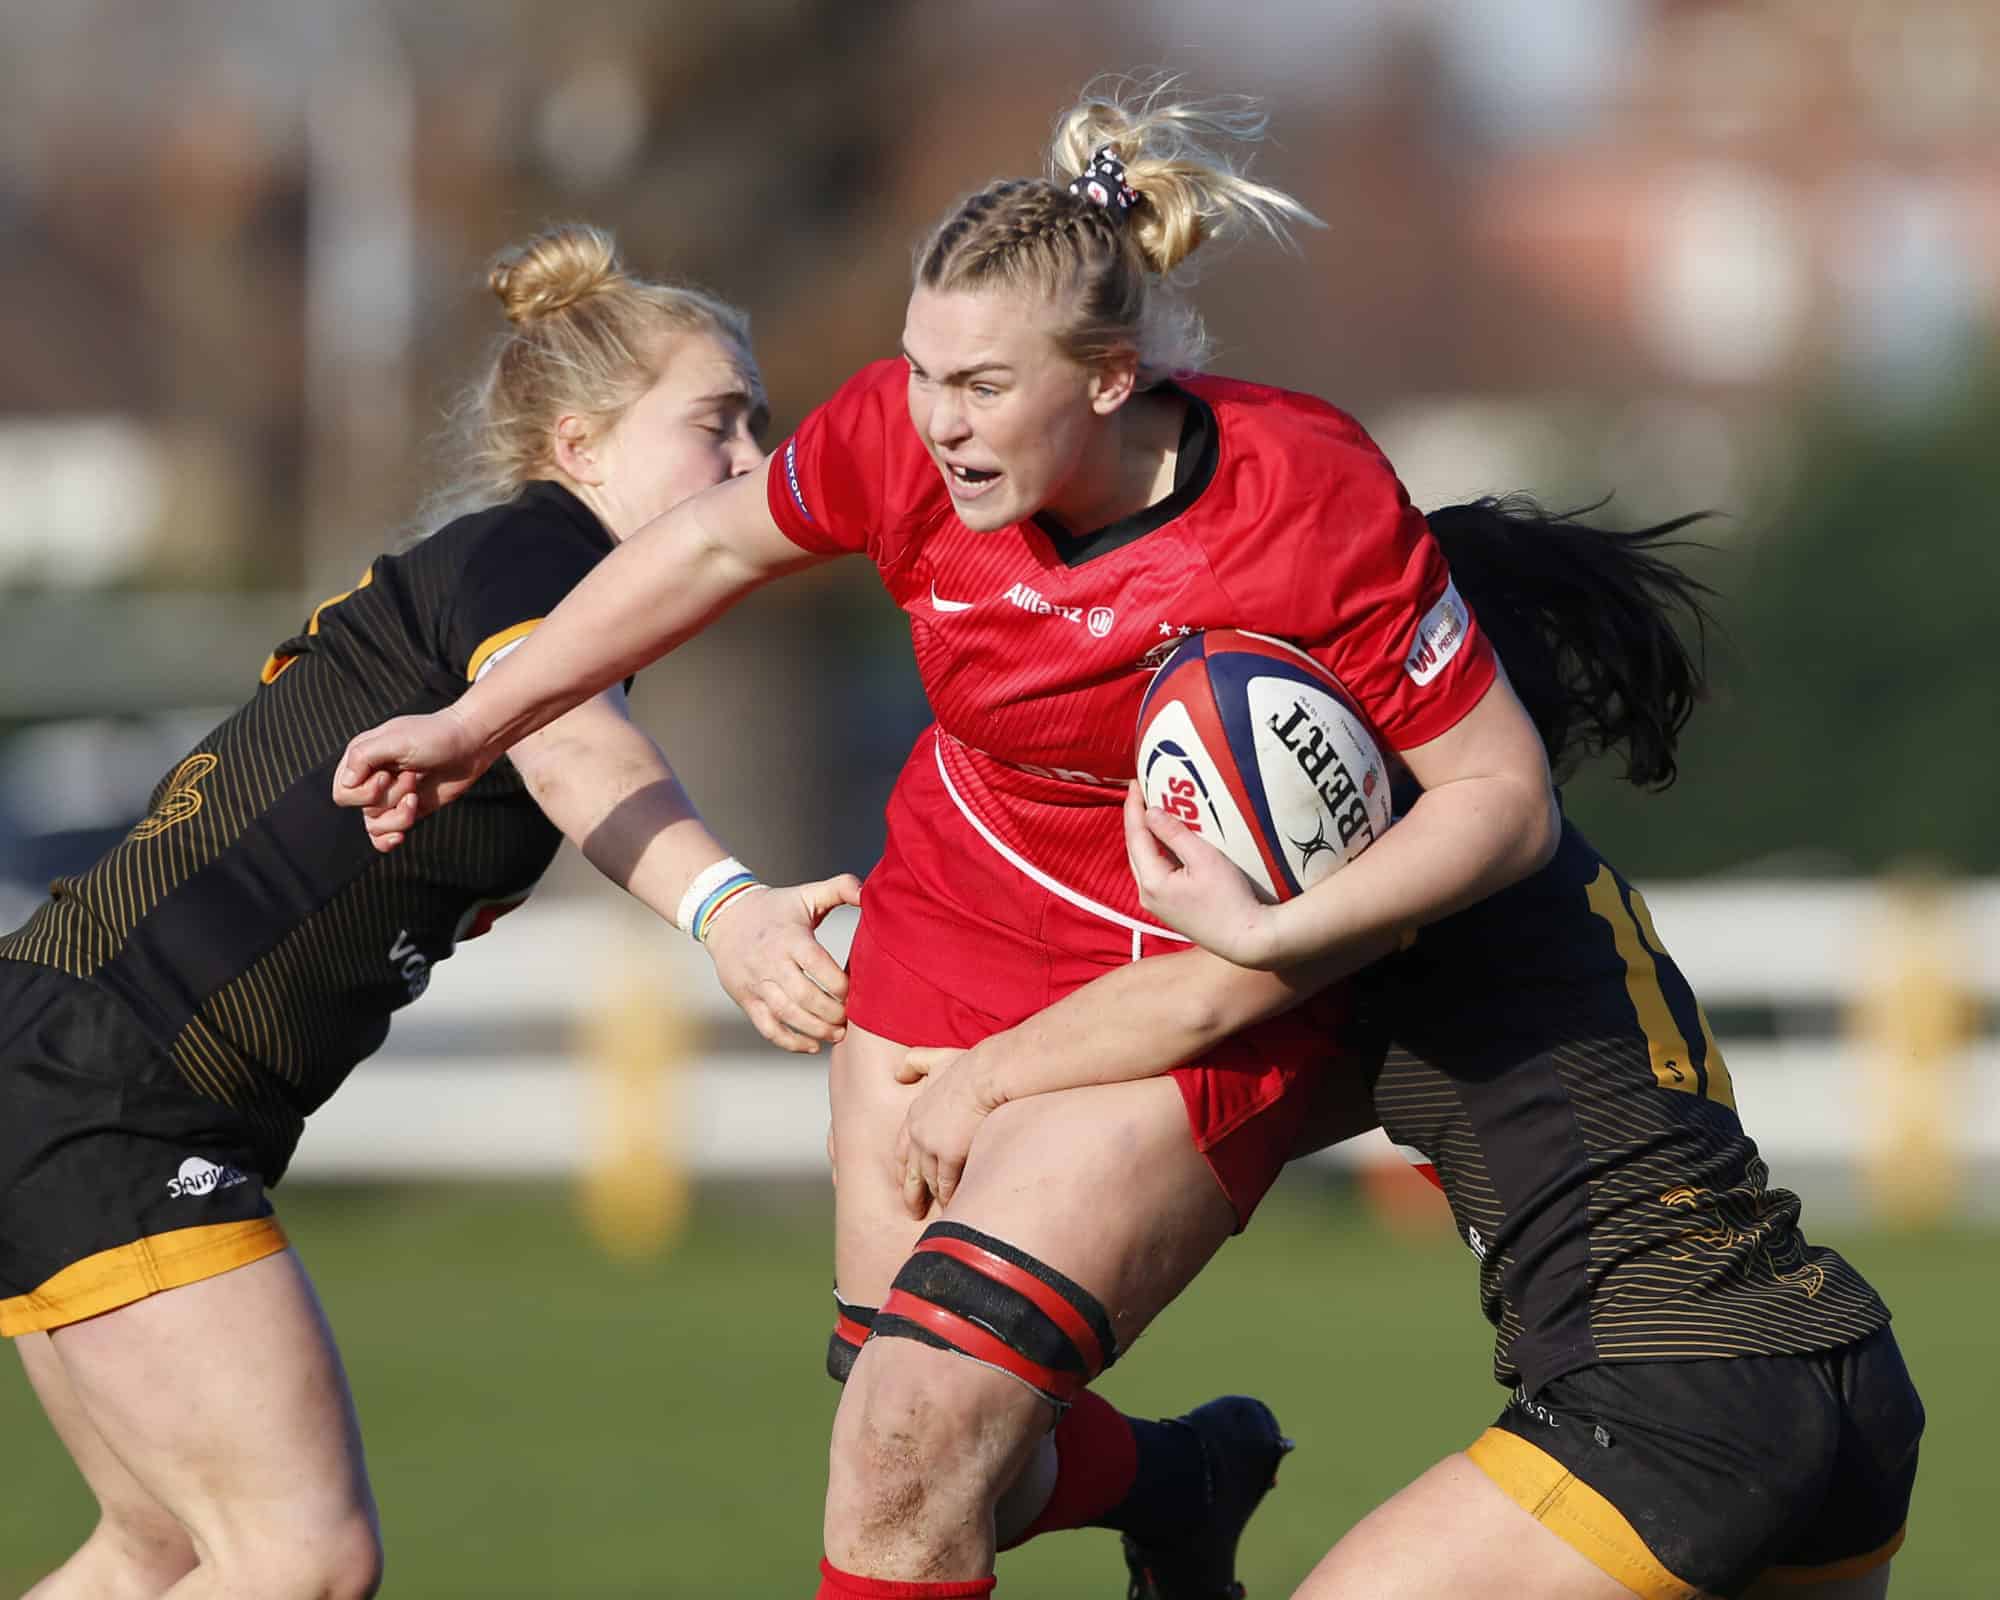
{"type": "Point", "coordinates": [1257, 748]}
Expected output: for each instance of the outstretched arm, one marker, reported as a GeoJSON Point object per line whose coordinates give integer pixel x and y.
{"type": "Point", "coordinates": [662, 585]}
{"type": "Point", "coordinates": [607, 786]}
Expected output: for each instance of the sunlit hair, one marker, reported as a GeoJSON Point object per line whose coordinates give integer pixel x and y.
{"type": "Point", "coordinates": [1116, 279]}
{"type": "Point", "coordinates": [1584, 618]}
{"type": "Point", "coordinates": [586, 337]}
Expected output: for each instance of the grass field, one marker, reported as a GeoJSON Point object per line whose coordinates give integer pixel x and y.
{"type": "Point", "coordinates": [544, 1422]}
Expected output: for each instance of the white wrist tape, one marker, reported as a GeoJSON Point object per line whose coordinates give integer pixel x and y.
{"type": "Point", "coordinates": [702, 885]}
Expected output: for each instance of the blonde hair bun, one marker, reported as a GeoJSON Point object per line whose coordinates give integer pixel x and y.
{"type": "Point", "coordinates": [553, 270]}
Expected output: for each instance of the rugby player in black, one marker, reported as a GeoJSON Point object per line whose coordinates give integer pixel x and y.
{"type": "Point", "coordinates": [169, 1017]}
{"type": "Point", "coordinates": [1702, 1402]}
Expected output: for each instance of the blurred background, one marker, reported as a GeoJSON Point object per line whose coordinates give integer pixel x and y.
{"type": "Point", "coordinates": [1686, 255]}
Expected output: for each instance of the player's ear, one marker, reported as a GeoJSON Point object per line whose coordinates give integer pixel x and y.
{"type": "Point", "coordinates": [575, 450]}
{"type": "Point", "coordinates": [1113, 381]}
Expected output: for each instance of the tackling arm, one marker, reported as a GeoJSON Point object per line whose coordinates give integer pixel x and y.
{"type": "Point", "coordinates": [608, 787]}
{"type": "Point", "coordinates": [661, 586]}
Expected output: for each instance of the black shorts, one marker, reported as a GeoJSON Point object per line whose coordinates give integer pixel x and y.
{"type": "Point", "coordinates": [1685, 1478]}
{"type": "Point", "coordinates": [116, 1179]}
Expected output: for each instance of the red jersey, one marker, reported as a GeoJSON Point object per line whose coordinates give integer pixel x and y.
{"type": "Point", "coordinates": [1035, 646]}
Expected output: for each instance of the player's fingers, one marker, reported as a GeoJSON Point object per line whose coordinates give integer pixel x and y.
{"type": "Point", "coordinates": [1171, 834]}
{"type": "Point", "coordinates": [843, 890]}
{"type": "Point", "coordinates": [821, 970]}
{"type": "Point", "coordinates": [948, 1174]}
{"type": "Point", "coordinates": [1150, 864]}
{"type": "Point", "coordinates": [788, 999]}
{"type": "Point", "coordinates": [368, 754]}
{"type": "Point", "coordinates": [1141, 849]}
{"type": "Point", "coordinates": [916, 1195]}
{"type": "Point", "coordinates": [924, 1060]}
{"type": "Point", "coordinates": [371, 790]}
{"type": "Point", "coordinates": [768, 1023]}
{"type": "Point", "coordinates": [811, 1000]}
{"type": "Point", "coordinates": [807, 1026]}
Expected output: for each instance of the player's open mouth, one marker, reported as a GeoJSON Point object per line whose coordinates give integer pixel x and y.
{"type": "Point", "coordinates": [967, 482]}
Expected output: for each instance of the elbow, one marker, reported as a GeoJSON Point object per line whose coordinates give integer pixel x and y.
{"type": "Point", "coordinates": [1221, 999]}
{"type": "Point", "coordinates": [1541, 830]}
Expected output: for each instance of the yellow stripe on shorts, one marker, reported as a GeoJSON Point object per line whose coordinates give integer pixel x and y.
{"type": "Point", "coordinates": [1576, 1514]}
{"type": "Point", "coordinates": [1852, 1567]}
{"type": "Point", "coordinates": [129, 1272]}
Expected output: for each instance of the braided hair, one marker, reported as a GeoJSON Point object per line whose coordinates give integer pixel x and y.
{"type": "Point", "coordinates": [1108, 264]}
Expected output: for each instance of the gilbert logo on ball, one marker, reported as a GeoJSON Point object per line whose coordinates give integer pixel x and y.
{"type": "Point", "coordinates": [1257, 748]}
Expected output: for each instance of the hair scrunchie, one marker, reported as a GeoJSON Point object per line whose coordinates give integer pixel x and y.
{"type": "Point", "coordinates": [1103, 183]}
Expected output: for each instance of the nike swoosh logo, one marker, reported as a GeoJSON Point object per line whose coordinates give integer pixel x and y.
{"type": "Point", "coordinates": [948, 605]}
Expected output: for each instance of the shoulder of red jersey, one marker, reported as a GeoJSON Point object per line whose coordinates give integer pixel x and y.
{"type": "Point", "coordinates": [1312, 536]}
{"type": "Point", "coordinates": [854, 476]}
{"type": "Point", "coordinates": [1279, 414]}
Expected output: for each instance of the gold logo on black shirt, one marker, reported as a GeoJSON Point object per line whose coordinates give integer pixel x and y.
{"type": "Point", "coordinates": [182, 799]}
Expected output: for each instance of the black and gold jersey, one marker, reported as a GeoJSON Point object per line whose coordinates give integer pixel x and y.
{"type": "Point", "coordinates": [247, 921]}
{"type": "Point", "coordinates": [1548, 1059]}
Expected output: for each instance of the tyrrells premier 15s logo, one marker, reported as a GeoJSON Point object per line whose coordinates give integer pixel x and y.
{"type": "Point", "coordinates": [1439, 635]}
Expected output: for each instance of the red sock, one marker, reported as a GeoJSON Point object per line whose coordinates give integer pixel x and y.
{"type": "Point", "coordinates": [1097, 1458]}
{"type": "Point", "coordinates": [837, 1585]}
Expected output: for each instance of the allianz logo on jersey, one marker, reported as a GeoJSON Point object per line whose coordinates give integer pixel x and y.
{"type": "Point", "coordinates": [198, 1177]}
{"type": "Point", "coordinates": [1097, 619]}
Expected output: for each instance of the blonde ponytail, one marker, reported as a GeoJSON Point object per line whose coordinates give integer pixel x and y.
{"type": "Point", "coordinates": [1117, 268]}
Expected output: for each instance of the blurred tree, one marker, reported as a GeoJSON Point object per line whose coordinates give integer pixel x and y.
{"type": "Point", "coordinates": [1857, 684]}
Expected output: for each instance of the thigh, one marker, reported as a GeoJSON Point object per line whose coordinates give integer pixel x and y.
{"type": "Point", "coordinates": [1452, 1534]}
{"type": "Point", "coordinates": [226, 1402]}
{"type": "Point", "coordinates": [1103, 1184]}
{"type": "Point", "coordinates": [872, 1231]}
{"type": "Point", "coordinates": [121, 1497]}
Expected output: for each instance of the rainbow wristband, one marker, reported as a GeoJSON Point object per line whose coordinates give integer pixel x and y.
{"type": "Point", "coordinates": [704, 917]}
{"type": "Point", "coordinates": [703, 884]}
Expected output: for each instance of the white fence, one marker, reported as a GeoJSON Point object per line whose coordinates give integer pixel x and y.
{"type": "Point", "coordinates": [483, 1075]}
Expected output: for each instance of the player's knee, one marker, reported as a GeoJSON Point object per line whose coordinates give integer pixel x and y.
{"type": "Point", "coordinates": [906, 1458]}
{"type": "Point", "coordinates": [336, 1558]}
{"type": "Point", "coordinates": [978, 1297]}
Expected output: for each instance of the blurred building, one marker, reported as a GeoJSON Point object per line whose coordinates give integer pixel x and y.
{"type": "Point", "coordinates": [1573, 245]}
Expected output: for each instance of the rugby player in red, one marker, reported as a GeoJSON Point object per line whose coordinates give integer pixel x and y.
{"type": "Point", "coordinates": [1703, 1403]}
{"type": "Point", "coordinates": [1050, 494]}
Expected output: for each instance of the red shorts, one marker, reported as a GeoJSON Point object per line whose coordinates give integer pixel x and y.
{"type": "Point", "coordinates": [957, 942]}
